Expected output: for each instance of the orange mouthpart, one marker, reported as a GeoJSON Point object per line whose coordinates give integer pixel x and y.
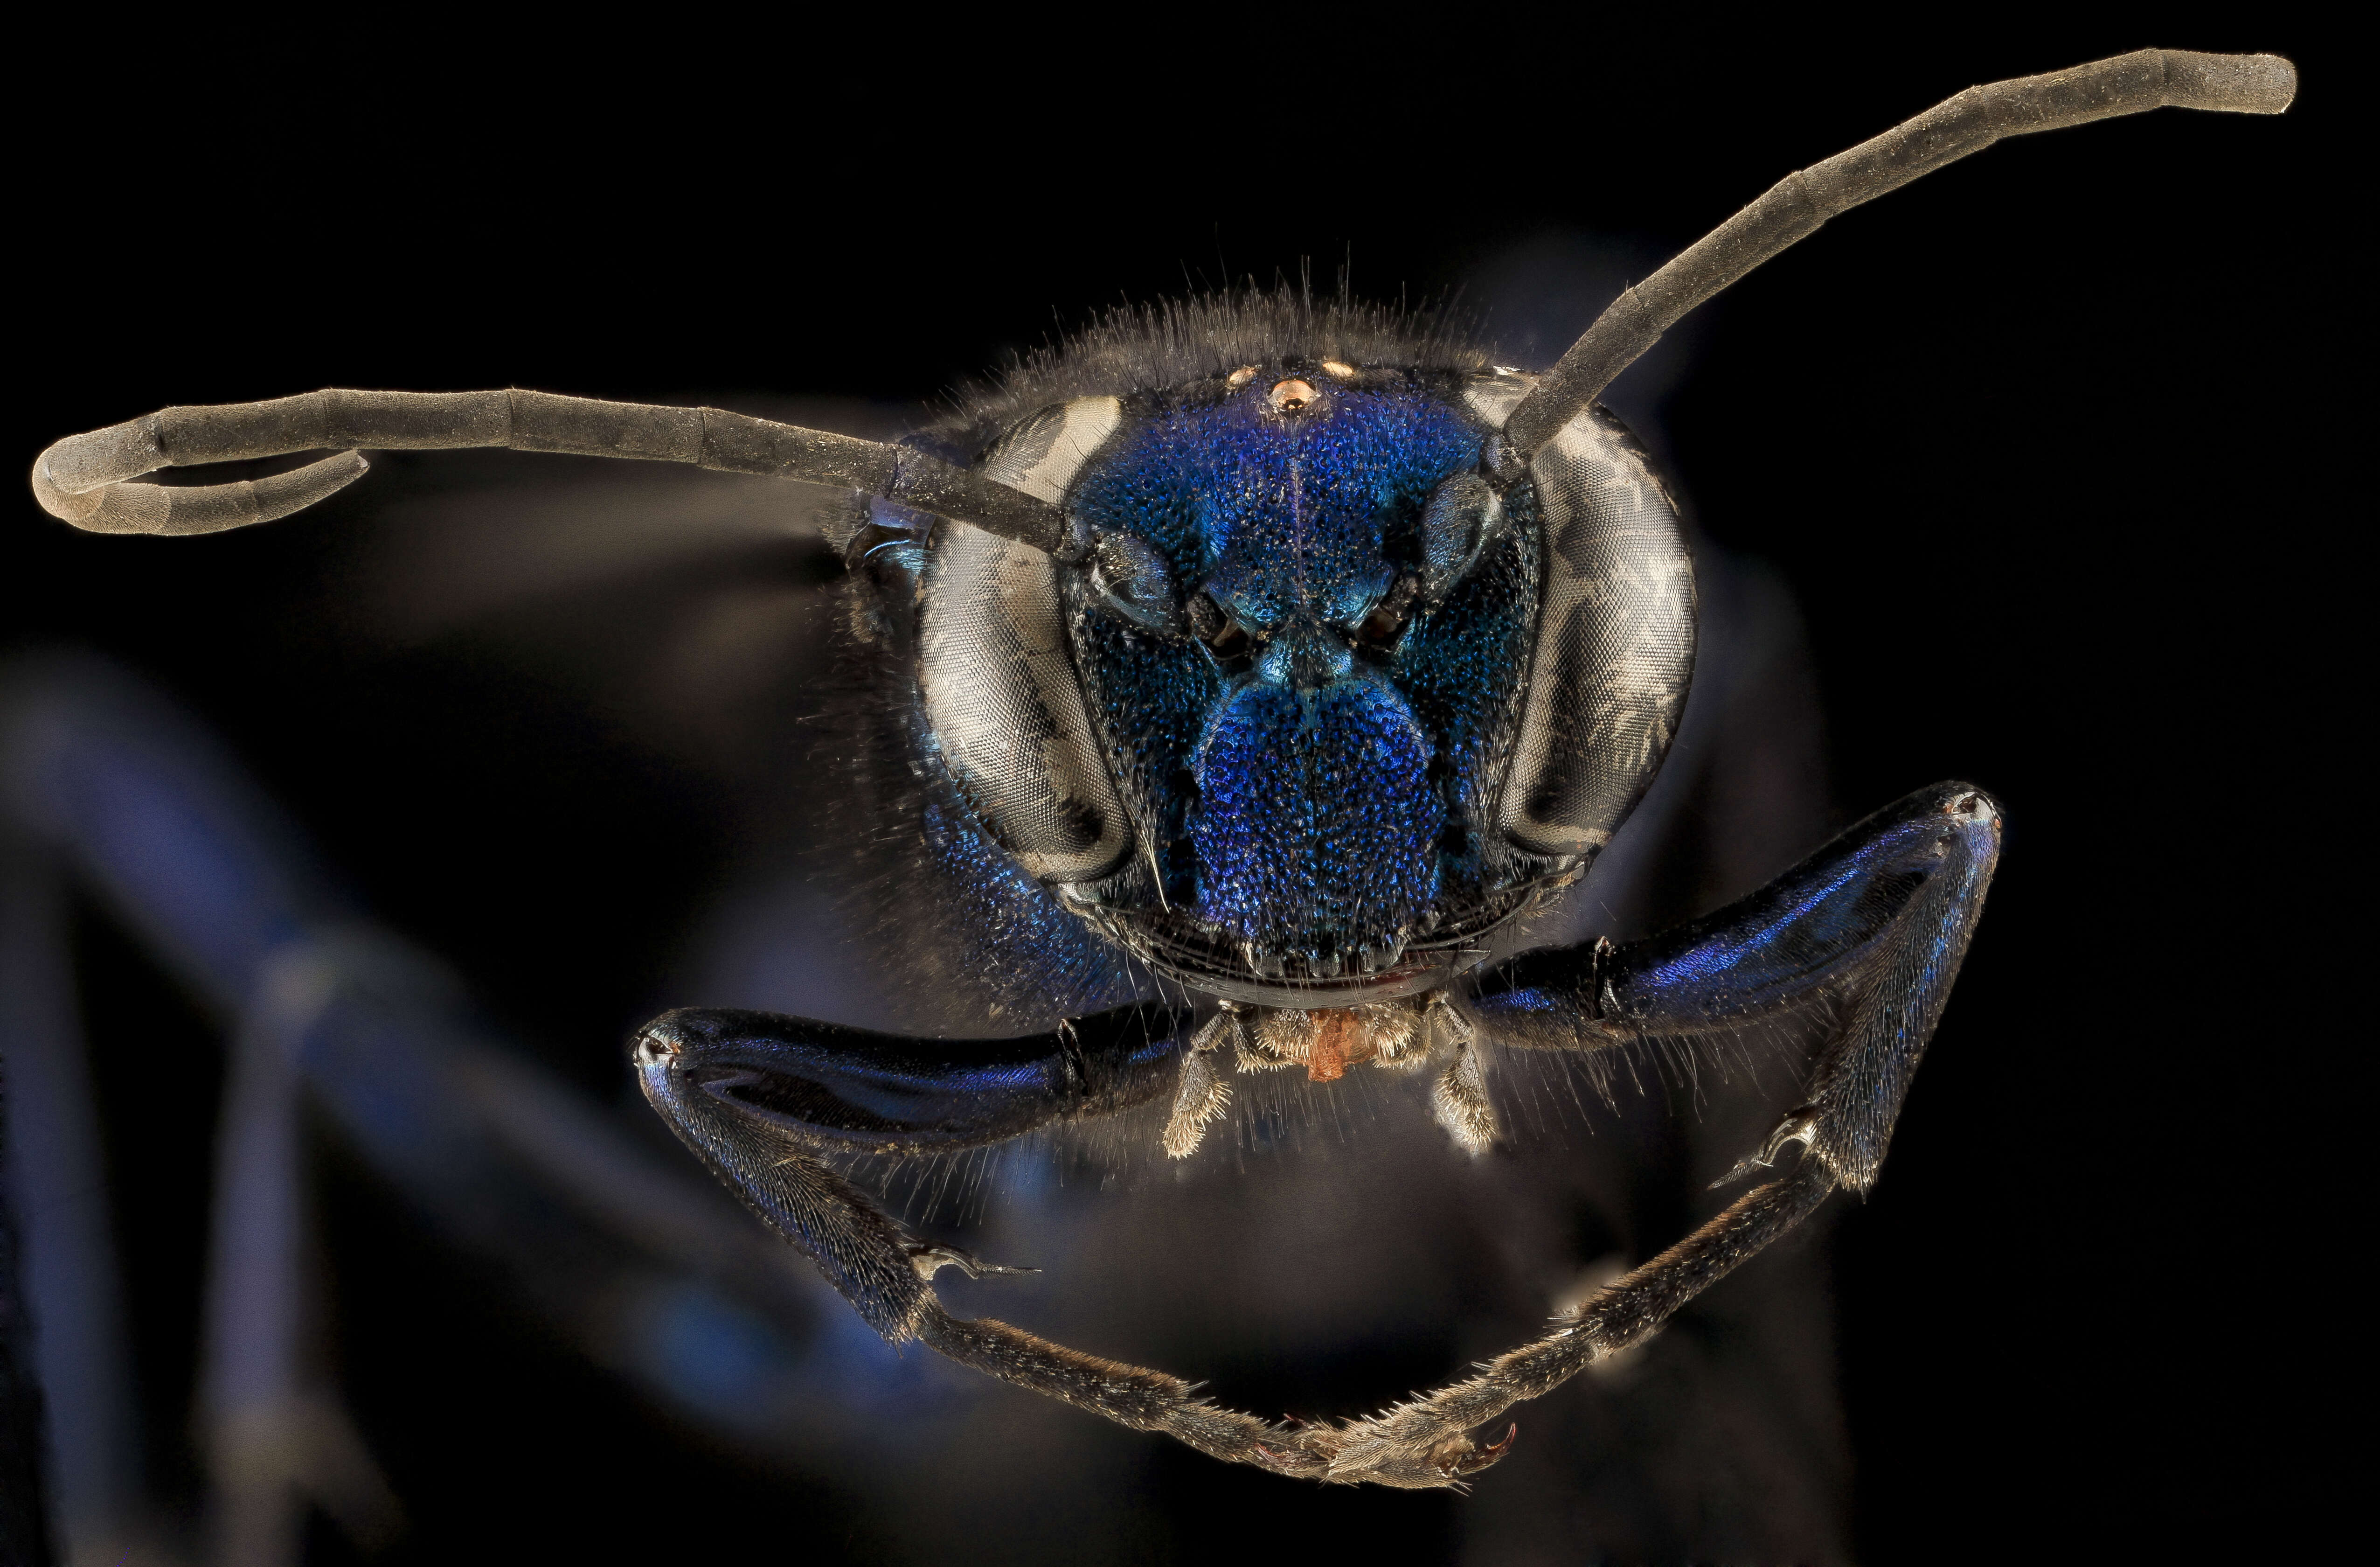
{"type": "Point", "coordinates": [1338, 1039]}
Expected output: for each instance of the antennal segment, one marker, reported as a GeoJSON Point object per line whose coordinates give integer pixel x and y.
{"type": "Point", "coordinates": [1794, 207]}
{"type": "Point", "coordinates": [84, 480]}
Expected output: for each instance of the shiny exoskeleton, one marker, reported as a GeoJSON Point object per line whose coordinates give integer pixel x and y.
{"type": "Point", "coordinates": [1272, 658]}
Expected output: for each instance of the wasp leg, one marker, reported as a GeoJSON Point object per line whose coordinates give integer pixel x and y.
{"type": "Point", "coordinates": [1874, 923]}
{"type": "Point", "coordinates": [1131, 1396]}
{"type": "Point", "coordinates": [1459, 1098]}
{"type": "Point", "coordinates": [1204, 1091]}
{"type": "Point", "coordinates": [1424, 1442]}
{"type": "Point", "coordinates": [1418, 1445]}
{"type": "Point", "coordinates": [759, 1096]}
{"type": "Point", "coordinates": [1873, 926]}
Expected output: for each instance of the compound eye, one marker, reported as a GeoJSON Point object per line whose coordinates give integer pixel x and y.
{"type": "Point", "coordinates": [1131, 576]}
{"type": "Point", "coordinates": [1004, 701]}
{"type": "Point", "coordinates": [1615, 642]}
{"type": "Point", "coordinates": [1462, 518]}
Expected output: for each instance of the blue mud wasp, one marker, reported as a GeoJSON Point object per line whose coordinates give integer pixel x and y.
{"type": "Point", "coordinates": [1253, 663]}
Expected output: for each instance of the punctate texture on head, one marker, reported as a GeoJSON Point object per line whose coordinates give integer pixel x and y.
{"type": "Point", "coordinates": [1316, 788]}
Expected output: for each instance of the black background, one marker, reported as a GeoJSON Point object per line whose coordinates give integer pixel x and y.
{"type": "Point", "coordinates": [2044, 444]}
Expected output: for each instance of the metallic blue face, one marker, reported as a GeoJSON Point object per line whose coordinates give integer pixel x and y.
{"type": "Point", "coordinates": [1312, 763]}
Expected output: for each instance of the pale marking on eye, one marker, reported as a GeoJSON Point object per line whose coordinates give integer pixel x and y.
{"type": "Point", "coordinates": [1002, 700]}
{"type": "Point", "coordinates": [1084, 426]}
{"type": "Point", "coordinates": [1614, 633]}
{"type": "Point", "coordinates": [1493, 398]}
{"type": "Point", "coordinates": [1240, 376]}
{"type": "Point", "coordinates": [1343, 372]}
